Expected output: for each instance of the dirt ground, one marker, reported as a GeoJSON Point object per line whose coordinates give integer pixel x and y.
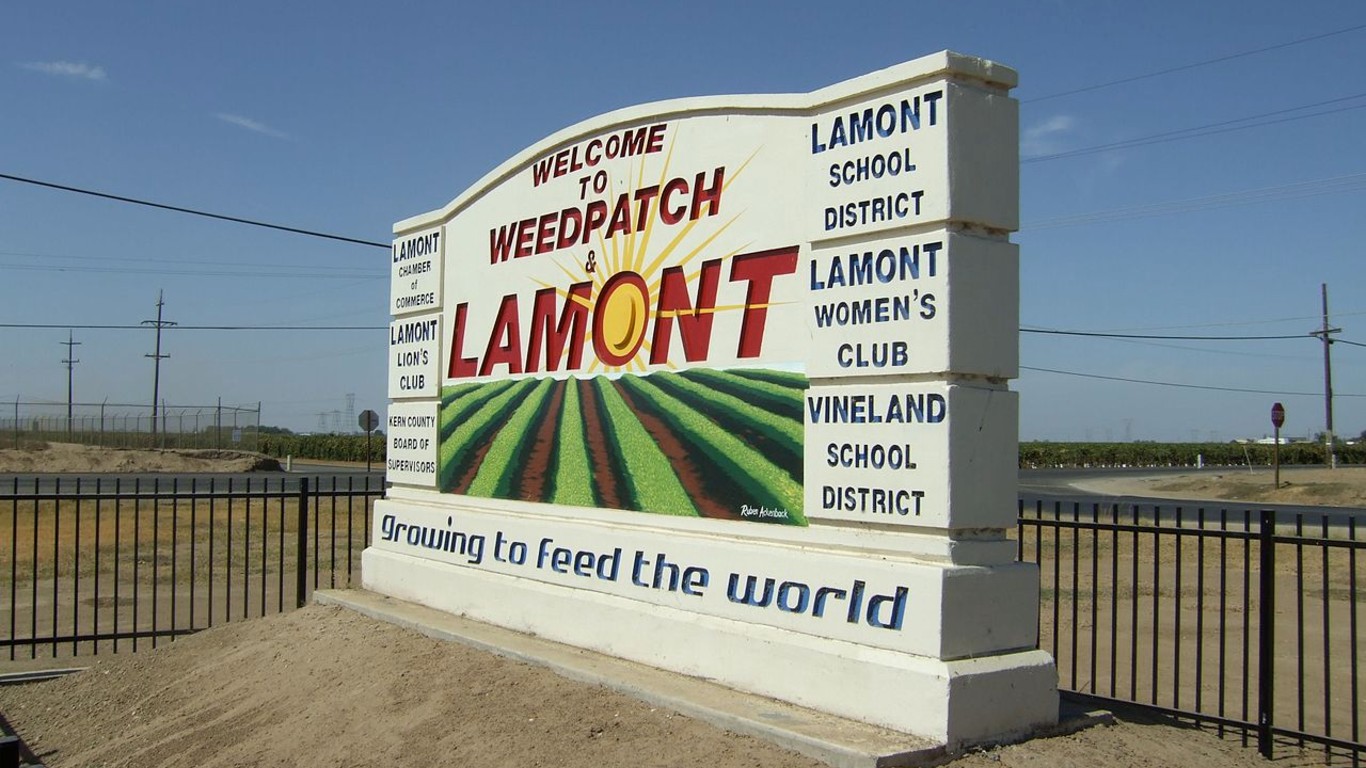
{"type": "Point", "coordinates": [1341, 487]}
{"type": "Point", "coordinates": [324, 686]}
{"type": "Point", "coordinates": [69, 457]}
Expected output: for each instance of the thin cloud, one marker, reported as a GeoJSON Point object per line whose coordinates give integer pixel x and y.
{"type": "Point", "coordinates": [254, 126]}
{"type": "Point", "coordinates": [66, 69]}
{"type": "Point", "coordinates": [1046, 137]}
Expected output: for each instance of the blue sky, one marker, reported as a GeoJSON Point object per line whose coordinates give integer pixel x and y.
{"type": "Point", "coordinates": [345, 117]}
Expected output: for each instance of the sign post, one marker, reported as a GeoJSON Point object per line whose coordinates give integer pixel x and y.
{"type": "Point", "coordinates": [368, 421]}
{"type": "Point", "coordinates": [1277, 419]}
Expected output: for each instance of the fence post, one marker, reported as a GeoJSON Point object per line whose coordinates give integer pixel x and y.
{"type": "Point", "coordinates": [1266, 668]}
{"type": "Point", "coordinates": [301, 561]}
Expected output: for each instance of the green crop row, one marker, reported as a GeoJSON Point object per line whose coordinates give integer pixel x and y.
{"type": "Point", "coordinates": [767, 483]}
{"type": "Point", "coordinates": [452, 392]}
{"type": "Point", "coordinates": [466, 399]}
{"type": "Point", "coordinates": [500, 467]}
{"type": "Point", "coordinates": [650, 476]}
{"type": "Point", "coordinates": [789, 379]}
{"type": "Point", "coordinates": [780, 399]}
{"type": "Point", "coordinates": [573, 475]}
{"type": "Point", "coordinates": [738, 414]}
{"type": "Point", "coordinates": [457, 449]}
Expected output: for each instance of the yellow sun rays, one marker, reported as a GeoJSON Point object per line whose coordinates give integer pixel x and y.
{"type": "Point", "coordinates": [630, 252]}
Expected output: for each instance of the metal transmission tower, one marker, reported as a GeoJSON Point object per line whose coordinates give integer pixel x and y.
{"type": "Point", "coordinates": [70, 377]}
{"type": "Point", "coordinates": [157, 357]}
{"type": "Point", "coordinates": [350, 411]}
{"type": "Point", "coordinates": [1326, 333]}
{"type": "Point", "coordinates": [322, 421]}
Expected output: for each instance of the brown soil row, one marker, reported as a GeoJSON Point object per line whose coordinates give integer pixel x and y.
{"type": "Point", "coordinates": [707, 490]}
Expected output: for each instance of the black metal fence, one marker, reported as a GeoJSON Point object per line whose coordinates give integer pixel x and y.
{"type": "Point", "coordinates": [112, 564]}
{"type": "Point", "coordinates": [1244, 620]}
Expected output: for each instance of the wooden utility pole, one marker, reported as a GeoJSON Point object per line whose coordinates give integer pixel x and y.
{"type": "Point", "coordinates": [1325, 333]}
{"type": "Point", "coordinates": [70, 378]}
{"type": "Point", "coordinates": [157, 357]}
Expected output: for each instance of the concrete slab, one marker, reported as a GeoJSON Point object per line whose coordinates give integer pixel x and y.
{"type": "Point", "coordinates": [833, 740]}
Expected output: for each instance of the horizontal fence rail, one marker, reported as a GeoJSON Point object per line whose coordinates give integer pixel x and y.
{"type": "Point", "coordinates": [1246, 620]}
{"type": "Point", "coordinates": [115, 565]}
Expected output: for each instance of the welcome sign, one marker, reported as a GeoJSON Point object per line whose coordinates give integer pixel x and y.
{"type": "Point", "coordinates": [628, 345]}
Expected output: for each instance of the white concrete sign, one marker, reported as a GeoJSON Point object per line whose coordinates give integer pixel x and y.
{"type": "Point", "coordinates": [410, 454]}
{"type": "Point", "coordinates": [893, 603]}
{"type": "Point", "coordinates": [415, 356]}
{"type": "Point", "coordinates": [913, 304]}
{"type": "Point", "coordinates": [925, 454]}
{"type": "Point", "coordinates": [415, 279]}
{"type": "Point", "coordinates": [722, 385]}
{"type": "Point", "coordinates": [913, 156]}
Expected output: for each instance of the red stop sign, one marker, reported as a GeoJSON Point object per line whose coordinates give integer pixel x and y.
{"type": "Point", "coordinates": [1277, 415]}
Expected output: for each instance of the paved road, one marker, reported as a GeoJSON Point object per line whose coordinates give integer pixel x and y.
{"type": "Point", "coordinates": [1047, 487]}
{"type": "Point", "coordinates": [319, 476]}
{"type": "Point", "coordinates": [1053, 486]}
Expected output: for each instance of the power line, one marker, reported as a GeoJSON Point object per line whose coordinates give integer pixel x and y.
{"type": "Point", "coordinates": [118, 327]}
{"type": "Point", "coordinates": [1181, 385]}
{"type": "Point", "coordinates": [1230, 324]}
{"type": "Point", "coordinates": [1209, 129]}
{"type": "Point", "coordinates": [198, 272]}
{"type": "Point", "coordinates": [191, 211]}
{"type": "Point", "coordinates": [1195, 65]}
{"type": "Point", "coordinates": [1157, 336]}
{"type": "Point", "coordinates": [1045, 331]}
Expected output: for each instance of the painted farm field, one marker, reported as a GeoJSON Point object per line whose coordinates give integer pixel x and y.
{"type": "Point", "coordinates": [701, 443]}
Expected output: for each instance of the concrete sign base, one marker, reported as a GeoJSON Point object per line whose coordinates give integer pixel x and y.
{"type": "Point", "coordinates": [931, 648]}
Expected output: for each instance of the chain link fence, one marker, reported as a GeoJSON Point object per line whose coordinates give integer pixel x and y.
{"type": "Point", "coordinates": [130, 425]}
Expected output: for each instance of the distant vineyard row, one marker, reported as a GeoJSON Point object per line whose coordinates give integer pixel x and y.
{"type": "Point", "coordinates": [767, 400]}
{"type": "Point", "coordinates": [322, 447]}
{"type": "Point", "coordinates": [1036, 455]}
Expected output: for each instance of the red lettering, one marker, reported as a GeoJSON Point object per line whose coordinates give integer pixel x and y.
{"type": "Point", "coordinates": [568, 233]}
{"type": "Point", "coordinates": [507, 328]}
{"type": "Point", "coordinates": [526, 230]}
{"type": "Point", "coordinates": [667, 213]}
{"type": "Point", "coordinates": [593, 152]}
{"type": "Point", "coordinates": [544, 330]}
{"type": "Point", "coordinates": [709, 195]}
{"type": "Point", "coordinates": [633, 142]}
{"type": "Point", "coordinates": [656, 140]}
{"type": "Point", "coordinates": [545, 233]}
{"type": "Point", "coordinates": [460, 367]}
{"type": "Point", "coordinates": [540, 172]}
{"type": "Point", "coordinates": [621, 216]}
{"type": "Point", "coordinates": [643, 197]}
{"type": "Point", "coordinates": [595, 215]}
{"type": "Point", "coordinates": [759, 269]}
{"type": "Point", "coordinates": [500, 242]}
{"type": "Point", "coordinates": [694, 324]}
